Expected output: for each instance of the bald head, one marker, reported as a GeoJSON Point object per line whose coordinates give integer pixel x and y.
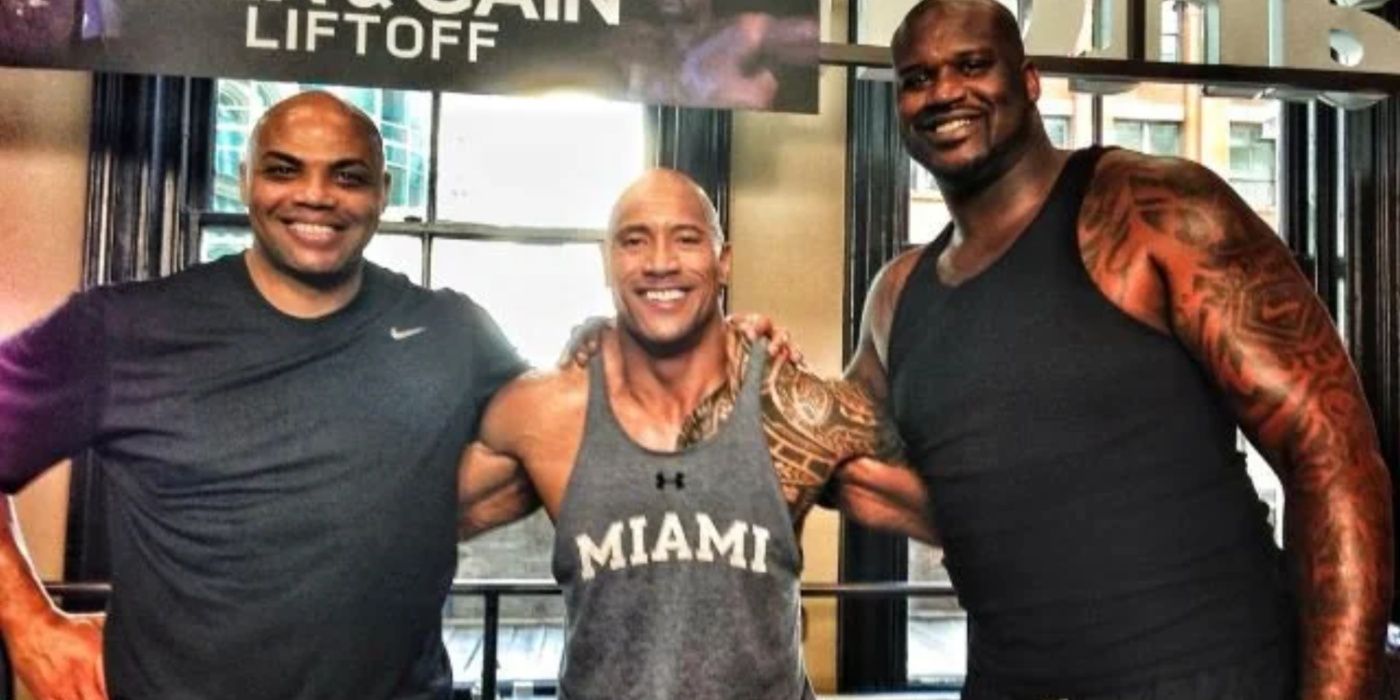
{"type": "Point", "coordinates": [310, 107]}
{"type": "Point", "coordinates": [924, 14]}
{"type": "Point", "coordinates": [667, 192]}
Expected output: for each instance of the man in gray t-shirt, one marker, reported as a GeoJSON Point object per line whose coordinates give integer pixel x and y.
{"type": "Point", "coordinates": [678, 468]}
{"type": "Point", "coordinates": [280, 432]}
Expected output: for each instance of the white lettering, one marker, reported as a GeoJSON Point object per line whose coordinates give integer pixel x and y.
{"type": "Point", "coordinates": [551, 10]}
{"type": "Point", "coordinates": [395, 37]}
{"type": "Point", "coordinates": [609, 10]}
{"type": "Point", "coordinates": [527, 8]}
{"type": "Point", "coordinates": [446, 7]}
{"type": "Point", "coordinates": [639, 540]}
{"type": "Point", "coordinates": [292, 17]}
{"type": "Point", "coordinates": [315, 29]}
{"type": "Point", "coordinates": [253, 41]}
{"type": "Point", "coordinates": [610, 553]}
{"type": "Point", "coordinates": [361, 23]}
{"type": "Point", "coordinates": [1058, 28]}
{"type": "Point", "coordinates": [731, 543]}
{"type": "Point", "coordinates": [477, 37]}
{"type": "Point", "coordinates": [671, 540]}
{"type": "Point", "coordinates": [441, 37]}
{"type": "Point", "coordinates": [1363, 41]}
{"type": "Point", "coordinates": [372, 4]}
{"type": "Point", "coordinates": [759, 563]}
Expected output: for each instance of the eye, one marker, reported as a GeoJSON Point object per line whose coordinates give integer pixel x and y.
{"type": "Point", "coordinates": [352, 178]}
{"type": "Point", "coordinates": [974, 66]}
{"type": "Point", "coordinates": [913, 80]}
{"type": "Point", "coordinates": [278, 171]}
{"type": "Point", "coordinates": [690, 238]}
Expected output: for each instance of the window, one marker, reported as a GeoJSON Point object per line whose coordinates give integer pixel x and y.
{"type": "Point", "coordinates": [482, 230]}
{"type": "Point", "coordinates": [1156, 138]}
{"type": "Point", "coordinates": [1171, 29]}
{"type": "Point", "coordinates": [1254, 162]}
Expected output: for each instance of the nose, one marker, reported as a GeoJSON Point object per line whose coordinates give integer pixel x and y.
{"type": "Point", "coordinates": [948, 89]}
{"type": "Point", "coordinates": [661, 258]}
{"type": "Point", "coordinates": [315, 191]}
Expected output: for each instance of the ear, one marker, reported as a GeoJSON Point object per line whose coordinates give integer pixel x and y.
{"type": "Point", "coordinates": [1030, 75]}
{"type": "Point", "coordinates": [243, 184]}
{"type": "Point", "coordinates": [384, 196]}
{"type": "Point", "coordinates": [724, 265]}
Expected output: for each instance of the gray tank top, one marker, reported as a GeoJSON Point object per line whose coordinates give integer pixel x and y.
{"type": "Point", "coordinates": [680, 570]}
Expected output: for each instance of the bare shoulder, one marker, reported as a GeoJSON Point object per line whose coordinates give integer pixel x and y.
{"type": "Point", "coordinates": [539, 400]}
{"type": "Point", "coordinates": [1174, 198]}
{"type": "Point", "coordinates": [890, 280]}
{"type": "Point", "coordinates": [836, 417]}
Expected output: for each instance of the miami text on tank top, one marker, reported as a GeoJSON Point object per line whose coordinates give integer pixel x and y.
{"type": "Point", "coordinates": [680, 570]}
{"type": "Point", "coordinates": [1096, 522]}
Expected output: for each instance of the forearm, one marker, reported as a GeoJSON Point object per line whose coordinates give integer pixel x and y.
{"type": "Point", "coordinates": [22, 597]}
{"type": "Point", "coordinates": [509, 503]}
{"type": "Point", "coordinates": [1339, 541]}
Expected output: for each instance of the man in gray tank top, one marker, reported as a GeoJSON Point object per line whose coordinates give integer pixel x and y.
{"type": "Point", "coordinates": [678, 467]}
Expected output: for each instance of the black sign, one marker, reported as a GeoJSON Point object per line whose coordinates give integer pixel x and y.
{"type": "Point", "coordinates": [759, 54]}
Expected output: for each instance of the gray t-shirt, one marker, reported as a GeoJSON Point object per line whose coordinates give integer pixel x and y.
{"type": "Point", "coordinates": [281, 501]}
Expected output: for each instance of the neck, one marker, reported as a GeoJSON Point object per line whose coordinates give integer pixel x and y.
{"type": "Point", "coordinates": [670, 388]}
{"type": "Point", "coordinates": [295, 297]}
{"type": "Point", "coordinates": [998, 210]}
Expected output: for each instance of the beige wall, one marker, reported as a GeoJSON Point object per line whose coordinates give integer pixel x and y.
{"type": "Point", "coordinates": [43, 158]}
{"type": "Point", "coordinates": [787, 224]}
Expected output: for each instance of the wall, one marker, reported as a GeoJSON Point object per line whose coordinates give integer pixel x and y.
{"type": "Point", "coordinates": [43, 155]}
{"type": "Point", "coordinates": [787, 224]}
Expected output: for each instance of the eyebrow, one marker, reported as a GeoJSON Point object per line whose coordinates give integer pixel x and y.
{"type": "Point", "coordinates": [342, 163]}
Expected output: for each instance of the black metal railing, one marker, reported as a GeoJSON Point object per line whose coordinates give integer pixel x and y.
{"type": "Point", "coordinates": [492, 590]}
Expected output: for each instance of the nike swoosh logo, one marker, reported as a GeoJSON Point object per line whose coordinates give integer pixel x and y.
{"type": "Point", "coordinates": [398, 334]}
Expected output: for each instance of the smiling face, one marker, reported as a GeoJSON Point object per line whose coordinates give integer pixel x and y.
{"type": "Point", "coordinates": [966, 96]}
{"type": "Point", "coordinates": [315, 185]}
{"type": "Point", "coordinates": [666, 263]}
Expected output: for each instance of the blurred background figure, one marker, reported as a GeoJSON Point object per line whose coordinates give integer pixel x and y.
{"type": "Point", "coordinates": [686, 52]}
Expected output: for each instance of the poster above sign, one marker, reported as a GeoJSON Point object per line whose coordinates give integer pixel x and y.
{"type": "Point", "coordinates": [758, 54]}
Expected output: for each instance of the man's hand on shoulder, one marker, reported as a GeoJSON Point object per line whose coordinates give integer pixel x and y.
{"type": "Point", "coordinates": [59, 657]}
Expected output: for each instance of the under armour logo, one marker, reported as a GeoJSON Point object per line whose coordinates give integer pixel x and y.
{"type": "Point", "coordinates": [678, 481]}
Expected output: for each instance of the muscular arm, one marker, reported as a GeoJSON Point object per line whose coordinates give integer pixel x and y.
{"type": "Point", "coordinates": [54, 654]}
{"type": "Point", "coordinates": [816, 429]}
{"type": "Point", "coordinates": [1235, 299]}
{"type": "Point", "coordinates": [493, 489]}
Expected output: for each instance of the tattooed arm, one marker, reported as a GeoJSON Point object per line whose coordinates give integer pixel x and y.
{"type": "Point", "coordinates": [818, 431]}
{"type": "Point", "coordinates": [1229, 291]}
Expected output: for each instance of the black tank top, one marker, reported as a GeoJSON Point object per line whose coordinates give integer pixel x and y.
{"type": "Point", "coordinates": [1097, 524]}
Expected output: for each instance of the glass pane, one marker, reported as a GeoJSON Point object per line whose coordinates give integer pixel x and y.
{"type": "Point", "coordinates": [536, 292]}
{"type": "Point", "coordinates": [1126, 133]}
{"type": "Point", "coordinates": [400, 253]}
{"type": "Point", "coordinates": [1165, 138]}
{"type": "Point", "coordinates": [937, 627]}
{"type": "Point", "coordinates": [553, 162]}
{"type": "Point", "coordinates": [217, 241]}
{"type": "Point", "coordinates": [404, 119]}
{"type": "Point", "coordinates": [403, 254]}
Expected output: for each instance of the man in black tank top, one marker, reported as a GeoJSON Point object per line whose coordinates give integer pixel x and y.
{"type": "Point", "coordinates": [678, 472]}
{"type": "Point", "coordinates": [1067, 364]}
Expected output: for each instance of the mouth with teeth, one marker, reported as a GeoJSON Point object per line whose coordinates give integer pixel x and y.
{"type": "Point", "coordinates": [312, 233]}
{"type": "Point", "coordinates": [663, 297]}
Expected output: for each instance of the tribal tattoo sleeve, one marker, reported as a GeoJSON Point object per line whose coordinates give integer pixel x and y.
{"type": "Point", "coordinates": [812, 425]}
{"type": "Point", "coordinates": [1236, 300]}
